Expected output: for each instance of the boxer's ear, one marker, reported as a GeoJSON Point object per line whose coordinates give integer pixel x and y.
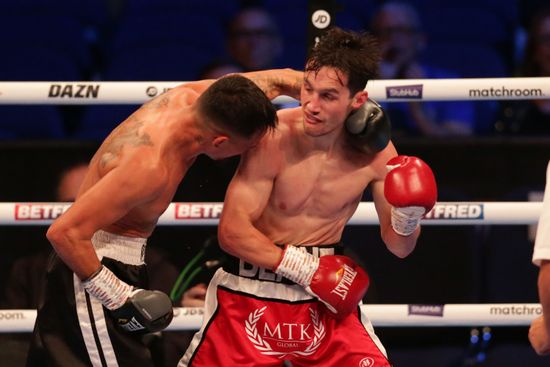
{"type": "Point", "coordinates": [219, 140]}
{"type": "Point", "coordinates": [359, 98]}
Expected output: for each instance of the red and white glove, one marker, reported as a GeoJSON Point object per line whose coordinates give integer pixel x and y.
{"type": "Point", "coordinates": [335, 280]}
{"type": "Point", "coordinates": [411, 189]}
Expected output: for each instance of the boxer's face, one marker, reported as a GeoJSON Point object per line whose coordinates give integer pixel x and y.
{"type": "Point", "coordinates": [326, 101]}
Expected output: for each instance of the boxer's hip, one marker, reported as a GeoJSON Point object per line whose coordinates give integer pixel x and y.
{"type": "Point", "coordinates": [238, 267]}
{"type": "Point", "coordinates": [128, 250]}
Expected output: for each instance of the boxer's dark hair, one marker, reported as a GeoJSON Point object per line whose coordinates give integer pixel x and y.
{"type": "Point", "coordinates": [234, 103]}
{"type": "Point", "coordinates": [355, 54]}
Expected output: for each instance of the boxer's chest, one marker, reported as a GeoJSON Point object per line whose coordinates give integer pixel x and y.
{"type": "Point", "coordinates": [320, 183]}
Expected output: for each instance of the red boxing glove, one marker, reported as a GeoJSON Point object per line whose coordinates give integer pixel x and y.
{"type": "Point", "coordinates": [335, 280]}
{"type": "Point", "coordinates": [339, 283]}
{"type": "Point", "coordinates": [410, 187]}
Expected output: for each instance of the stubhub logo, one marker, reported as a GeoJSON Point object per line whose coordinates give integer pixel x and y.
{"type": "Point", "coordinates": [426, 310]}
{"type": "Point", "coordinates": [404, 91]}
{"type": "Point", "coordinates": [456, 211]}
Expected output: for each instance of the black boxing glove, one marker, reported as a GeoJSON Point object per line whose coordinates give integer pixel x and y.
{"type": "Point", "coordinates": [144, 311]}
{"type": "Point", "coordinates": [134, 310]}
{"type": "Point", "coordinates": [369, 128]}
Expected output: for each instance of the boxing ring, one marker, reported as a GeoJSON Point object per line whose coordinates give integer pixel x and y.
{"type": "Point", "coordinates": [207, 214]}
{"type": "Point", "coordinates": [413, 315]}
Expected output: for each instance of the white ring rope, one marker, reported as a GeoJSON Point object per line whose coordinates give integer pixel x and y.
{"type": "Point", "coordinates": [200, 214]}
{"type": "Point", "coordinates": [412, 315]}
{"type": "Point", "coordinates": [391, 90]}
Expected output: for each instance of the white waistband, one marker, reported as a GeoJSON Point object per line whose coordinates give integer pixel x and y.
{"type": "Point", "coordinates": [129, 250]}
{"type": "Point", "coordinates": [259, 288]}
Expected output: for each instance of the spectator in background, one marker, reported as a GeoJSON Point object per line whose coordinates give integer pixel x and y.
{"type": "Point", "coordinates": [398, 28]}
{"type": "Point", "coordinates": [26, 276]}
{"type": "Point", "coordinates": [253, 40]}
{"type": "Point", "coordinates": [27, 273]}
{"type": "Point", "coordinates": [217, 69]}
{"type": "Point", "coordinates": [531, 117]}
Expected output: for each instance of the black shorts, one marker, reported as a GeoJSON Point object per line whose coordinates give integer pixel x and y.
{"type": "Point", "coordinates": [73, 328]}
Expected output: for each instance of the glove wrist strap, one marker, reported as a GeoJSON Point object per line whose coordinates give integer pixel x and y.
{"type": "Point", "coordinates": [297, 265]}
{"type": "Point", "coordinates": [107, 288]}
{"type": "Point", "coordinates": [404, 221]}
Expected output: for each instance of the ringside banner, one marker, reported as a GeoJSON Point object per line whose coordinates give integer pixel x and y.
{"type": "Point", "coordinates": [391, 315]}
{"type": "Point", "coordinates": [202, 213]}
{"type": "Point", "coordinates": [76, 92]}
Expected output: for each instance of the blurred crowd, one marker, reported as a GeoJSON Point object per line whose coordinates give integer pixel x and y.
{"type": "Point", "coordinates": [176, 40]}
{"type": "Point", "coordinates": [172, 40]}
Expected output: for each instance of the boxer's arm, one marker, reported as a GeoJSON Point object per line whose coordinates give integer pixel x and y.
{"type": "Point", "coordinates": [273, 82]}
{"type": "Point", "coordinates": [544, 291]}
{"type": "Point", "coordinates": [246, 198]}
{"type": "Point", "coordinates": [112, 197]}
{"type": "Point", "coordinates": [278, 82]}
{"type": "Point", "coordinates": [400, 246]}
{"type": "Point", "coordinates": [539, 332]}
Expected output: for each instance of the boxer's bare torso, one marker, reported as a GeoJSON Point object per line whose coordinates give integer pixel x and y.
{"type": "Point", "coordinates": [133, 176]}
{"type": "Point", "coordinates": [315, 189]}
{"type": "Point", "coordinates": [153, 148]}
{"type": "Point", "coordinates": [303, 182]}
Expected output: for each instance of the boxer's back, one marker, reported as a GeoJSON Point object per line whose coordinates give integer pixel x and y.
{"type": "Point", "coordinates": [146, 147]}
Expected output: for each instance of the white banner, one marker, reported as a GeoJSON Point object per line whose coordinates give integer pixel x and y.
{"type": "Point", "coordinates": [208, 214]}
{"type": "Point", "coordinates": [412, 315]}
{"type": "Point", "coordinates": [391, 90]}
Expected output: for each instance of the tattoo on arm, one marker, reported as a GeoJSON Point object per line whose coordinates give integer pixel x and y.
{"type": "Point", "coordinates": [157, 102]}
{"type": "Point", "coordinates": [126, 134]}
{"type": "Point", "coordinates": [296, 85]}
{"type": "Point", "coordinates": [263, 83]}
{"type": "Point", "coordinates": [275, 86]}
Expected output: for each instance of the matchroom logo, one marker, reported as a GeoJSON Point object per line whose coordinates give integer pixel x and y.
{"type": "Point", "coordinates": [12, 315]}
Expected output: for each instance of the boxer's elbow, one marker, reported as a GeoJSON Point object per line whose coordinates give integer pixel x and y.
{"type": "Point", "coordinates": [229, 243]}
{"type": "Point", "coordinates": [60, 236]}
{"type": "Point", "coordinates": [55, 234]}
{"type": "Point", "coordinates": [236, 232]}
{"type": "Point", "coordinates": [400, 246]}
{"type": "Point", "coordinates": [227, 237]}
{"type": "Point", "coordinates": [401, 251]}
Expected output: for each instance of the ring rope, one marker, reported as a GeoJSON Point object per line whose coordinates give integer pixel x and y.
{"type": "Point", "coordinates": [204, 213]}
{"type": "Point", "coordinates": [392, 315]}
{"type": "Point", "coordinates": [390, 90]}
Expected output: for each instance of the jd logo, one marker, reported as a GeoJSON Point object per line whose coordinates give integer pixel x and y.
{"type": "Point", "coordinates": [320, 19]}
